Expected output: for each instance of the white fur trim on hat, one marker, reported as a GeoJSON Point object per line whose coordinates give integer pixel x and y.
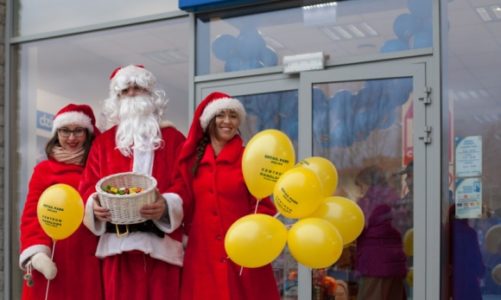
{"type": "Point", "coordinates": [72, 118]}
{"type": "Point", "coordinates": [218, 105]}
{"type": "Point", "coordinates": [131, 75]}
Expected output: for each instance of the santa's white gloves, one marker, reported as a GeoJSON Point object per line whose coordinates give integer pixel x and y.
{"type": "Point", "coordinates": [43, 264]}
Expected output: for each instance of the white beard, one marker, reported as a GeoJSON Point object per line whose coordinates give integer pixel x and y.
{"type": "Point", "coordinates": [138, 120]}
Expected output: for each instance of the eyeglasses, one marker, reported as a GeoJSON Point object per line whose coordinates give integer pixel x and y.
{"type": "Point", "coordinates": [77, 132]}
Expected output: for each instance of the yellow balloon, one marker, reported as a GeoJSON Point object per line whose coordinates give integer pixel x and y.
{"type": "Point", "coordinates": [255, 240]}
{"type": "Point", "coordinates": [315, 243]}
{"type": "Point", "coordinates": [266, 157]}
{"type": "Point", "coordinates": [325, 170]}
{"type": "Point", "coordinates": [344, 214]}
{"type": "Point", "coordinates": [410, 277]}
{"type": "Point", "coordinates": [60, 211]}
{"type": "Point", "coordinates": [298, 193]}
{"type": "Point", "coordinates": [409, 242]}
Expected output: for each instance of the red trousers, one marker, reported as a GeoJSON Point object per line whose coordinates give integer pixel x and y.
{"type": "Point", "coordinates": [134, 275]}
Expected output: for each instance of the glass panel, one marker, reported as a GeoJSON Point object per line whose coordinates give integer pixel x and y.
{"type": "Point", "coordinates": [277, 110]}
{"type": "Point", "coordinates": [33, 16]}
{"type": "Point", "coordinates": [365, 129]}
{"type": "Point", "coordinates": [474, 97]}
{"type": "Point", "coordinates": [55, 72]}
{"type": "Point", "coordinates": [339, 29]}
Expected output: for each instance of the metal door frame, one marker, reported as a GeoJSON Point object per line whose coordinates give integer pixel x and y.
{"type": "Point", "coordinates": [426, 245]}
{"type": "Point", "coordinates": [380, 70]}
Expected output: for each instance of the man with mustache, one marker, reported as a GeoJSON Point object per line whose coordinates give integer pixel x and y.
{"type": "Point", "coordinates": [140, 261]}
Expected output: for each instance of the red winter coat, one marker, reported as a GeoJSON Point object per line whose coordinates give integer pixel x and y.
{"type": "Point", "coordinates": [79, 274]}
{"type": "Point", "coordinates": [219, 198]}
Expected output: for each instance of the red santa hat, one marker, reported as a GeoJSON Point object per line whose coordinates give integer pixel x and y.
{"type": "Point", "coordinates": [123, 77]}
{"type": "Point", "coordinates": [75, 114]}
{"type": "Point", "coordinates": [214, 104]}
{"type": "Point", "coordinates": [206, 110]}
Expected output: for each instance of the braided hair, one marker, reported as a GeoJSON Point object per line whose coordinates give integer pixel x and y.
{"type": "Point", "coordinates": [202, 144]}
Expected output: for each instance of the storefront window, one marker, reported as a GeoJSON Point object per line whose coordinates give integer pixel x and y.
{"type": "Point", "coordinates": [53, 73]}
{"type": "Point", "coordinates": [473, 226]}
{"type": "Point", "coordinates": [339, 29]}
{"type": "Point", "coordinates": [34, 17]}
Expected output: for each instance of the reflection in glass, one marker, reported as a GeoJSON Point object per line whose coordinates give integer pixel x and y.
{"type": "Point", "coordinates": [380, 260]}
{"type": "Point", "coordinates": [365, 129]}
{"type": "Point", "coordinates": [278, 110]}
{"type": "Point", "coordinates": [473, 109]}
{"type": "Point", "coordinates": [339, 29]}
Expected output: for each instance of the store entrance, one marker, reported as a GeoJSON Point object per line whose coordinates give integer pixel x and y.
{"type": "Point", "coordinates": [364, 119]}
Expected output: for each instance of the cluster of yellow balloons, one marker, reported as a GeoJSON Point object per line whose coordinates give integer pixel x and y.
{"type": "Point", "coordinates": [60, 211]}
{"type": "Point", "coordinates": [300, 191]}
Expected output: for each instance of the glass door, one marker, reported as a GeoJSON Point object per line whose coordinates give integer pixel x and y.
{"type": "Point", "coordinates": [364, 119]}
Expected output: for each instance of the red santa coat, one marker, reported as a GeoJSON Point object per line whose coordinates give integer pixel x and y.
{"type": "Point", "coordinates": [220, 197]}
{"type": "Point", "coordinates": [79, 274]}
{"type": "Point", "coordinates": [161, 254]}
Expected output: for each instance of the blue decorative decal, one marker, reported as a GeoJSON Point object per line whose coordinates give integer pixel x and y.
{"type": "Point", "coordinates": [44, 120]}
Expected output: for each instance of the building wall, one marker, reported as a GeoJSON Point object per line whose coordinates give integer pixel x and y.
{"type": "Point", "coordinates": [2, 101]}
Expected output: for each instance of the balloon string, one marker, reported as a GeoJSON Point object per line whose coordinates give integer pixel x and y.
{"type": "Point", "coordinates": [276, 215]}
{"type": "Point", "coordinates": [52, 258]}
{"type": "Point", "coordinates": [257, 204]}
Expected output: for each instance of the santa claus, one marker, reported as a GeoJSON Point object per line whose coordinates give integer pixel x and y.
{"type": "Point", "coordinates": [143, 263]}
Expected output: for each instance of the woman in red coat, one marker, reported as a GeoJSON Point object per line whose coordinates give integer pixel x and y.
{"type": "Point", "coordinates": [73, 269]}
{"type": "Point", "coordinates": [215, 195]}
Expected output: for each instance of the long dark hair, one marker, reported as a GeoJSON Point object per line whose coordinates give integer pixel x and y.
{"type": "Point", "coordinates": [202, 144]}
{"type": "Point", "coordinates": [54, 141]}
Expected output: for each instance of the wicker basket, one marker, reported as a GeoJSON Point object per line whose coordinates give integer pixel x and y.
{"type": "Point", "coordinates": [125, 208]}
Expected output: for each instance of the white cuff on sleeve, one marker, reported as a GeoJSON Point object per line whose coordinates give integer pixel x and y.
{"type": "Point", "coordinates": [175, 213]}
{"type": "Point", "coordinates": [96, 226]}
{"type": "Point", "coordinates": [30, 251]}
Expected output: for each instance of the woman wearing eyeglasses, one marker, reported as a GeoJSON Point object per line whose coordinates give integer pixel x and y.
{"type": "Point", "coordinates": [73, 269]}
